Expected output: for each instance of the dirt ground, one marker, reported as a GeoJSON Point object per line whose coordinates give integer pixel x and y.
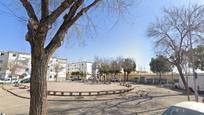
{"type": "Point", "coordinates": [143, 100]}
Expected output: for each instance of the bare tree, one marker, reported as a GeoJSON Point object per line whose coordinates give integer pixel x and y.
{"type": "Point", "coordinates": [39, 25]}
{"type": "Point", "coordinates": [115, 67]}
{"type": "Point", "coordinates": [176, 33]}
{"type": "Point", "coordinates": [57, 69]}
{"type": "Point", "coordinates": [12, 67]}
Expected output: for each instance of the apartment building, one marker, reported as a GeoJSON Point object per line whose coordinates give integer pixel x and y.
{"type": "Point", "coordinates": [18, 64]}
{"type": "Point", "coordinates": [84, 66]}
{"type": "Point", "coordinates": [14, 64]}
{"type": "Point", "coordinates": [57, 69]}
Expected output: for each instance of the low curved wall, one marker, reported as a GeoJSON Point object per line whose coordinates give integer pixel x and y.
{"type": "Point", "coordinates": [91, 93]}
{"type": "Point", "coordinates": [86, 93]}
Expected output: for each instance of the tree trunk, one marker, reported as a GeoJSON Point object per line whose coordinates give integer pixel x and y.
{"type": "Point", "coordinates": [182, 76]}
{"type": "Point", "coordinates": [56, 77]}
{"type": "Point", "coordinates": [187, 90]}
{"type": "Point", "coordinates": [124, 77]}
{"type": "Point", "coordinates": [127, 77]}
{"type": "Point", "coordinates": [38, 85]}
{"type": "Point", "coordinates": [195, 85]}
{"type": "Point", "coordinates": [160, 79]}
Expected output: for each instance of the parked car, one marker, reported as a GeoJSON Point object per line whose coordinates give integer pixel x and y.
{"type": "Point", "coordinates": [114, 79]}
{"type": "Point", "coordinates": [25, 80]}
{"type": "Point", "coordinates": [1, 82]}
{"type": "Point", "coordinates": [92, 78]}
{"type": "Point", "coordinates": [8, 80]}
{"type": "Point", "coordinates": [75, 78]}
{"type": "Point", "coordinates": [185, 108]}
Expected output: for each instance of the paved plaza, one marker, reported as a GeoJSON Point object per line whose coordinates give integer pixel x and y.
{"type": "Point", "coordinates": [143, 100]}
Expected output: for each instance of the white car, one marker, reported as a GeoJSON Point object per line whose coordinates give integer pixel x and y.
{"type": "Point", "coordinates": [185, 108]}
{"type": "Point", "coordinates": [1, 82]}
{"type": "Point", "coordinates": [5, 81]}
{"type": "Point", "coordinates": [8, 80]}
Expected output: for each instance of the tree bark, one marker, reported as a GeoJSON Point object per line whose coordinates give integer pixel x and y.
{"type": "Point", "coordinates": [127, 77]}
{"type": "Point", "coordinates": [160, 79]}
{"type": "Point", "coordinates": [38, 85]}
{"type": "Point", "coordinates": [124, 77]}
{"type": "Point", "coordinates": [182, 76]}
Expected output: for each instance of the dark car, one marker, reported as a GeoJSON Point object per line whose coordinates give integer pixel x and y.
{"type": "Point", "coordinates": [115, 79]}
{"type": "Point", "coordinates": [25, 80]}
{"type": "Point", "coordinates": [75, 78]}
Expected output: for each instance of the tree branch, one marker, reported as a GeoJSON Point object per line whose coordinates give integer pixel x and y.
{"type": "Point", "coordinates": [84, 10]}
{"type": "Point", "coordinates": [56, 13]}
{"type": "Point", "coordinates": [29, 9]}
{"type": "Point", "coordinates": [44, 8]}
{"type": "Point", "coordinates": [69, 20]}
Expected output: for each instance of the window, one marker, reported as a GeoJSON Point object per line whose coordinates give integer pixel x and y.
{"type": "Point", "coordinates": [27, 69]}
{"type": "Point", "coordinates": [14, 55]}
{"type": "Point", "coordinates": [1, 54]}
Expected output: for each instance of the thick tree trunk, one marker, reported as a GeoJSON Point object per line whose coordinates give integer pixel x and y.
{"type": "Point", "coordinates": [38, 85]}
{"type": "Point", "coordinates": [182, 76]}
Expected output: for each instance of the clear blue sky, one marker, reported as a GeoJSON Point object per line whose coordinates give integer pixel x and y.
{"type": "Point", "coordinates": [127, 38]}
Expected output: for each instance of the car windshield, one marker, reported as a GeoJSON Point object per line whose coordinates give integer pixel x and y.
{"type": "Point", "coordinates": [181, 111]}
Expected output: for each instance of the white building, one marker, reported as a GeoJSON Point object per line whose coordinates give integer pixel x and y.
{"type": "Point", "coordinates": [18, 64]}
{"type": "Point", "coordinates": [57, 69]}
{"type": "Point", "coordinates": [85, 67]}
{"type": "Point", "coordinates": [15, 64]}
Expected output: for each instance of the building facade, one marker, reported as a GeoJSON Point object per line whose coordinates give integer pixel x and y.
{"type": "Point", "coordinates": [14, 64]}
{"type": "Point", "coordinates": [18, 64]}
{"type": "Point", "coordinates": [85, 67]}
{"type": "Point", "coordinates": [57, 69]}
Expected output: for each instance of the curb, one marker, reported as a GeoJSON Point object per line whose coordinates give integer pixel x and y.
{"type": "Point", "coordinates": [24, 97]}
{"type": "Point", "coordinates": [14, 93]}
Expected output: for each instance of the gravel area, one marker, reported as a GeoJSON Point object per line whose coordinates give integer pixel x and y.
{"type": "Point", "coordinates": [78, 86]}
{"type": "Point", "coordinates": [143, 100]}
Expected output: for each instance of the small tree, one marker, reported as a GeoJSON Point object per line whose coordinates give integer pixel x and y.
{"type": "Point", "coordinates": [160, 65]}
{"type": "Point", "coordinates": [82, 74]}
{"type": "Point", "coordinates": [199, 57]}
{"type": "Point", "coordinates": [128, 66]}
{"type": "Point", "coordinates": [115, 67]}
{"type": "Point", "coordinates": [57, 69]}
{"type": "Point", "coordinates": [12, 67]}
{"type": "Point", "coordinates": [104, 70]}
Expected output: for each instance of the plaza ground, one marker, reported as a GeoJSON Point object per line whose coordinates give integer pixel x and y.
{"type": "Point", "coordinates": [143, 100]}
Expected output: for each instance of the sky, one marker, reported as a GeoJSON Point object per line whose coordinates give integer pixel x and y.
{"type": "Point", "coordinates": [114, 35]}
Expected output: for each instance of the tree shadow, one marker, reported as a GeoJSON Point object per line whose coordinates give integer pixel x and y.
{"type": "Point", "coordinates": [104, 107]}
